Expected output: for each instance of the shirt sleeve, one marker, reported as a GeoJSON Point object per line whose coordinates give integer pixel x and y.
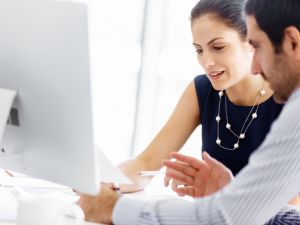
{"type": "Point", "coordinates": [258, 192]}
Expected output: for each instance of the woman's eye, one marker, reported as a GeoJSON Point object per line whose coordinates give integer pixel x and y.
{"type": "Point", "coordinates": [199, 51]}
{"type": "Point", "coordinates": [218, 48]}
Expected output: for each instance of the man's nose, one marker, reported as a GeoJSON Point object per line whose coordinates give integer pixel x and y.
{"type": "Point", "coordinates": [255, 67]}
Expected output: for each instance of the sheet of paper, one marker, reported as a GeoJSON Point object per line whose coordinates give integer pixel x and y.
{"type": "Point", "coordinates": [28, 186]}
{"type": "Point", "coordinates": [7, 181]}
{"type": "Point", "coordinates": [110, 173]}
{"type": "Point", "coordinates": [31, 187]}
{"type": "Point", "coordinates": [8, 205]}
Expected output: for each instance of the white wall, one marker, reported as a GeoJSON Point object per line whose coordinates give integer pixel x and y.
{"type": "Point", "coordinates": [141, 58]}
{"type": "Point", "coordinates": [173, 66]}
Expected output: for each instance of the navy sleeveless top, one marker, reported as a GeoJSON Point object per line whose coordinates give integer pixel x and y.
{"type": "Point", "coordinates": [235, 160]}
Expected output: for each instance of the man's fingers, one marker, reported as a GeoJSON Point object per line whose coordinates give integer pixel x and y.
{"type": "Point", "coordinates": [213, 163]}
{"type": "Point", "coordinates": [180, 178]}
{"type": "Point", "coordinates": [183, 191]}
{"type": "Point", "coordinates": [195, 163]}
{"type": "Point", "coordinates": [218, 170]}
{"type": "Point", "coordinates": [110, 185]}
{"type": "Point", "coordinates": [167, 181]}
{"type": "Point", "coordinates": [179, 167]}
{"type": "Point", "coordinates": [174, 187]}
{"type": "Point", "coordinates": [83, 203]}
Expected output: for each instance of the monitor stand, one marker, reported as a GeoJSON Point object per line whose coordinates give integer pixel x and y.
{"type": "Point", "coordinates": [7, 97]}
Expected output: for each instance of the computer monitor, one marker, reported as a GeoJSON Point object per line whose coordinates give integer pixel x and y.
{"type": "Point", "coordinates": [44, 57]}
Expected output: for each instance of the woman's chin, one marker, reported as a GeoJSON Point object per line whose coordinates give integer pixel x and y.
{"type": "Point", "coordinates": [218, 87]}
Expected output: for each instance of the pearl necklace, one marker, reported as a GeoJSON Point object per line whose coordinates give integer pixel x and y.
{"type": "Point", "coordinates": [242, 133]}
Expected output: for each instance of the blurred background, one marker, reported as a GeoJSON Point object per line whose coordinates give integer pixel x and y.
{"type": "Point", "coordinates": [142, 59]}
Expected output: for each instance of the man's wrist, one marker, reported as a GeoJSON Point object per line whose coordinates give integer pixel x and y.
{"type": "Point", "coordinates": [127, 210]}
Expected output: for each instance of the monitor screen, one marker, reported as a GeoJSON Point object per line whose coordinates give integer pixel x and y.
{"type": "Point", "coordinates": [44, 57]}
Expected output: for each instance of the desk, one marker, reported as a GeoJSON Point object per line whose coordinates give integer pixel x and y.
{"type": "Point", "coordinates": [85, 223]}
{"type": "Point", "coordinates": [154, 190]}
{"type": "Point", "coordinates": [8, 206]}
{"type": "Point", "coordinates": [9, 201]}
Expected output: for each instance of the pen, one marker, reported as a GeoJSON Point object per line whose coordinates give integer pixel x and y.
{"type": "Point", "coordinates": [9, 173]}
{"type": "Point", "coordinates": [116, 188]}
{"type": "Point", "coordinates": [151, 173]}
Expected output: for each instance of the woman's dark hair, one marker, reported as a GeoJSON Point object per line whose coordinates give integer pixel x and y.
{"type": "Point", "coordinates": [273, 16]}
{"type": "Point", "coordinates": [228, 11]}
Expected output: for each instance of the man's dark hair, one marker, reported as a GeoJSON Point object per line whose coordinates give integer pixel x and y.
{"type": "Point", "coordinates": [274, 16]}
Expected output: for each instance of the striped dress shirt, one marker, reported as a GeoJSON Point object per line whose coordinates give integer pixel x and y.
{"type": "Point", "coordinates": [259, 191]}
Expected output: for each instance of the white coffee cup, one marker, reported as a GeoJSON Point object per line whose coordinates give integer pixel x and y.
{"type": "Point", "coordinates": [43, 211]}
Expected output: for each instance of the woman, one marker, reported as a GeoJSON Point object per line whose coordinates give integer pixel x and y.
{"type": "Point", "coordinates": [234, 107]}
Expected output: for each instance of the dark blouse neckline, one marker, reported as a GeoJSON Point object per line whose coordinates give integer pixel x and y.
{"type": "Point", "coordinates": [248, 107]}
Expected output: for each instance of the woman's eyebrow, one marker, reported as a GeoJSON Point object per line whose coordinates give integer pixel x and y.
{"type": "Point", "coordinates": [213, 40]}
{"type": "Point", "coordinates": [210, 42]}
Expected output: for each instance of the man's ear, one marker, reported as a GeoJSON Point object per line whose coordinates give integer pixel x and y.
{"type": "Point", "coordinates": [291, 42]}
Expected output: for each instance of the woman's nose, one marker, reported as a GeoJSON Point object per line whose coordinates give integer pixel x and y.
{"type": "Point", "coordinates": [206, 61]}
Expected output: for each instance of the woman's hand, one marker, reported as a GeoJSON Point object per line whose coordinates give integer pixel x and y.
{"type": "Point", "coordinates": [131, 168]}
{"type": "Point", "coordinates": [199, 177]}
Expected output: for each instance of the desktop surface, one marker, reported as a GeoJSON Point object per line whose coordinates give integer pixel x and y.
{"type": "Point", "coordinates": [13, 223]}
{"type": "Point", "coordinates": [9, 205]}
{"type": "Point", "coordinates": [9, 201]}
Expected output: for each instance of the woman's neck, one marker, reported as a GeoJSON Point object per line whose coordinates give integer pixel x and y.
{"type": "Point", "coordinates": [246, 91]}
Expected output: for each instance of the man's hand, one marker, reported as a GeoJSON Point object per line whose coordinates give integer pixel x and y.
{"type": "Point", "coordinates": [200, 177]}
{"type": "Point", "coordinates": [99, 208]}
{"type": "Point", "coordinates": [174, 183]}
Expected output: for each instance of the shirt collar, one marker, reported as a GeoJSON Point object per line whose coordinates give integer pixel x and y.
{"type": "Point", "coordinates": [295, 95]}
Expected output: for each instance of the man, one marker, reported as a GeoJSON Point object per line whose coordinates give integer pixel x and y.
{"type": "Point", "coordinates": [272, 176]}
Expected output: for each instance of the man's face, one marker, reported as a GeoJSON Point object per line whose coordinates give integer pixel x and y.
{"type": "Point", "coordinates": [276, 68]}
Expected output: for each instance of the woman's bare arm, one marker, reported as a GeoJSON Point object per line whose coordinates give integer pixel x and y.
{"type": "Point", "coordinates": [183, 121]}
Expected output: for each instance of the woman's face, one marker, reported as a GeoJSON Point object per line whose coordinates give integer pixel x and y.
{"type": "Point", "coordinates": [224, 56]}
